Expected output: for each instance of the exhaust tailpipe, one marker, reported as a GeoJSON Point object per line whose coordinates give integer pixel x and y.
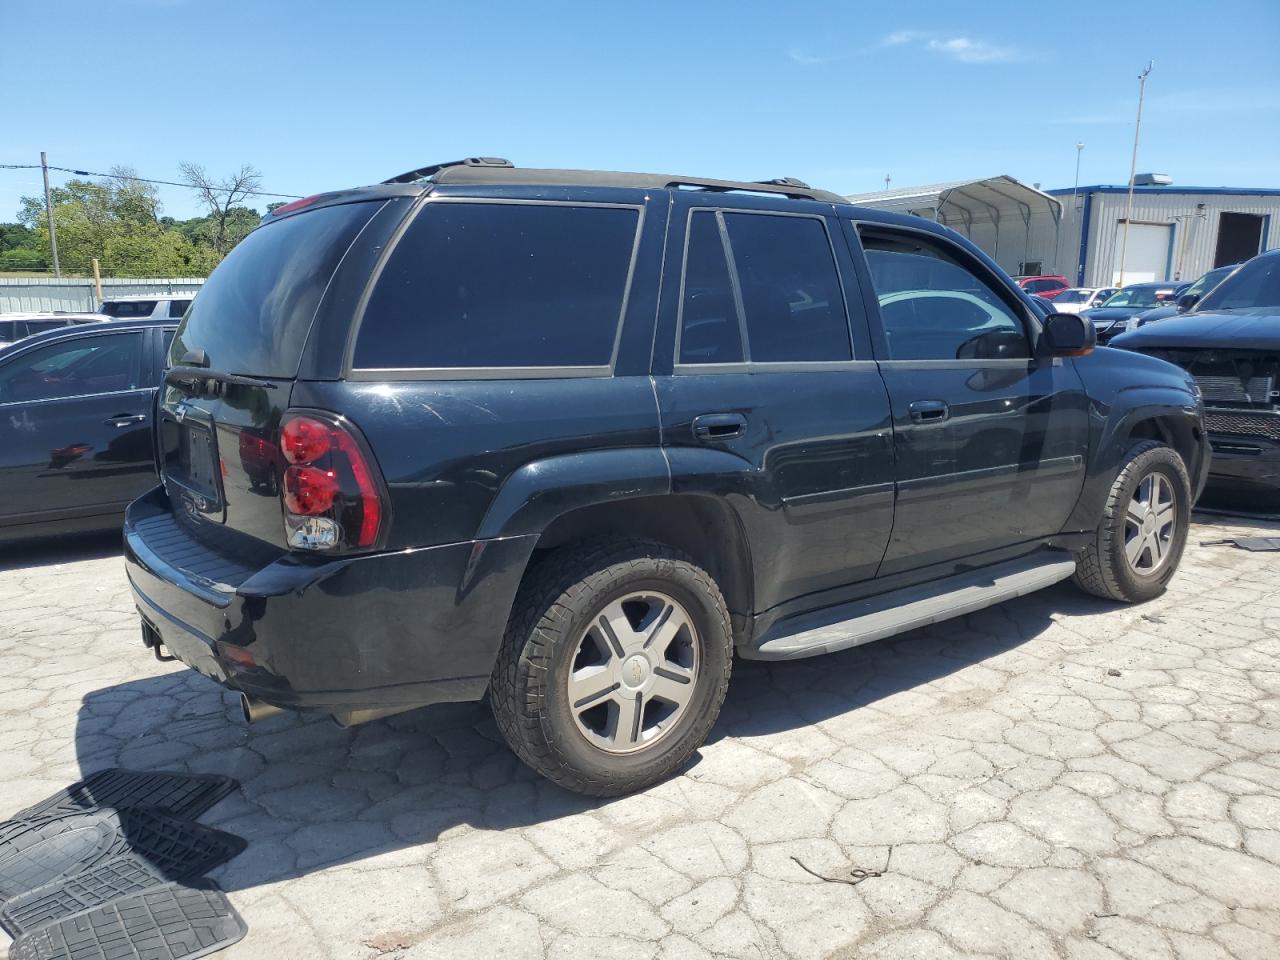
{"type": "Point", "coordinates": [253, 710]}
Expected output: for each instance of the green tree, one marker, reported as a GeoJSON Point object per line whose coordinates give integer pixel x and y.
{"type": "Point", "coordinates": [119, 221]}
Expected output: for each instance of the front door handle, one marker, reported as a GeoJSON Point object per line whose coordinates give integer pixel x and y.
{"type": "Point", "coordinates": [719, 426]}
{"type": "Point", "coordinates": [124, 419]}
{"type": "Point", "coordinates": [928, 411]}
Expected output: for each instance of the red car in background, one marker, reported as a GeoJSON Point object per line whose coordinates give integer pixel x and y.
{"type": "Point", "coordinates": [1045, 286]}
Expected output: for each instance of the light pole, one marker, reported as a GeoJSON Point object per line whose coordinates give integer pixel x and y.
{"type": "Point", "coordinates": [1133, 168]}
{"type": "Point", "coordinates": [1057, 246]}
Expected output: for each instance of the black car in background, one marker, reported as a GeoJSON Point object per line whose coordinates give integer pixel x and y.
{"type": "Point", "coordinates": [1187, 295]}
{"type": "Point", "coordinates": [1230, 343]}
{"type": "Point", "coordinates": [1119, 313]}
{"type": "Point", "coordinates": [75, 425]}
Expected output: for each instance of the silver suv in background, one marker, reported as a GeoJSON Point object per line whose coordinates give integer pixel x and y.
{"type": "Point", "coordinates": [144, 306]}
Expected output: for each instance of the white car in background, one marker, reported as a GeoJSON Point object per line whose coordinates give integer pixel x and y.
{"type": "Point", "coordinates": [16, 326]}
{"type": "Point", "coordinates": [146, 306]}
{"type": "Point", "coordinates": [1078, 299]}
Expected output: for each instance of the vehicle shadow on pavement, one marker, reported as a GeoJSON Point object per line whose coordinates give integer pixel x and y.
{"type": "Point", "coordinates": [53, 551]}
{"type": "Point", "coordinates": [315, 795]}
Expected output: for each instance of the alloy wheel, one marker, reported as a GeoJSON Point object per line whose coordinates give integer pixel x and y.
{"type": "Point", "coordinates": [1149, 524]}
{"type": "Point", "coordinates": [634, 672]}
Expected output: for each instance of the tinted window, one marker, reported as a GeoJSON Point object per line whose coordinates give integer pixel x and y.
{"type": "Point", "coordinates": [1256, 284]}
{"type": "Point", "coordinates": [709, 331]}
{"type": "Point", "coordinates": [128, 309]}
{"type": "Point", "coordinates": [73, 368]}
{"type": "Point", "coordinates": [1040, 286]}
{"type": "Point", "coordinates": [41, 326]}
{"type": "Point", "coordinates": [934, 308]}
{"type": "Point", "coordinates": [6, 330]}
{"type": "Point", "coordinates": [790, 289]}
{"type": "Point", "coordinates": [501, 285]}
{"type": "Point", "coordinates": [178, 307]}
{"type": "Point", "coordinates": [255, 310]}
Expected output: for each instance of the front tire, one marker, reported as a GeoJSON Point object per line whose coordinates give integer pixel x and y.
{"type": "Point", "coordinates": [1143, 531]}
{"type": "Point", "coordinates": [614, 666]}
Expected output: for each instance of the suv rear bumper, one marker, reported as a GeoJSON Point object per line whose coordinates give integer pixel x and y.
{"type": "Point", "coordinates": [374, 632]}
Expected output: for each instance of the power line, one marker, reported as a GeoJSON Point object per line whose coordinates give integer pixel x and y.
{"type": "Point", "coordinates": [121, 176]}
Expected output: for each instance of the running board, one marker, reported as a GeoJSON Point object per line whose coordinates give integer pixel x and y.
{"type": "Point", "coordinates": [853, 624]}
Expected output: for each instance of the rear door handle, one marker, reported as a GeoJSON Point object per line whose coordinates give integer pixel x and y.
{"type": "Point", "coordinates": [124, 419]}
{"type": "Point", "coordinates": [928, 411]}
{"type": "Point", "coordinates": [719, 426]}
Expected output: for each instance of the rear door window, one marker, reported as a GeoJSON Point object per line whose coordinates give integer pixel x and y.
{"type": "Point", "coordinates": [789, 306]}
{"type": "Point", "coordinates": [254, 312]}
{"type": "Point", "coordinates": [709, 324]}
{"type": "Point", "coordinates": [501, 285]}
{"type": "Point", "coordinates": [178, 307]}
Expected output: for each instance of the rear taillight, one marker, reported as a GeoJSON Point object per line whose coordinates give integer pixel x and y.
{"type": "Point", "coordinates": [331, 492]}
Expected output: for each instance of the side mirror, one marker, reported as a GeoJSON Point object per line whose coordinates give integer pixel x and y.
{"type": "Point", "coordinates": [1067, 335]}
{"type": "Point", "coordinates": [1187, 301]}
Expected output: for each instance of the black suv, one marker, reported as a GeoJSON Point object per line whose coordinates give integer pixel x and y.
{"type": "Point", "coordinates": [571, 441]}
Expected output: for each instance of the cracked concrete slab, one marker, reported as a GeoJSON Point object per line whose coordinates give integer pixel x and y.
{"type": "Point", "coordinates": [1056, 777]}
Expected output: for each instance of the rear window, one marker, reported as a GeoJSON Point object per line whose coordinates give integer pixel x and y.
{"type": "Point", "coordinates": [253, 314]}
{"type": "Point", "coordinates": [128, 309]}
{"type": "Point", "coordinates": [500, 285]}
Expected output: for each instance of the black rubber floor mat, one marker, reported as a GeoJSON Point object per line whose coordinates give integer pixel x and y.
{"type": "Point", "coordinates": [95, 887]}
{"type": "Point", "coordinates": [177, 794]}
{"type": "Point", "coordinates": [37, 853]}
{"type": "Point", "coordinates": [169, 922]}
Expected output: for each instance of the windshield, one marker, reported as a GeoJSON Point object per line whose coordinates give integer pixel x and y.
{"type": "Point", "coordinates": [1074, 295]}
{"type": "Point", "coordinates": [1256, 284]}
{"type": "Point", "coordinates": [1208, 281]}
{"type": "Point", "coordinates": [1134, 297]}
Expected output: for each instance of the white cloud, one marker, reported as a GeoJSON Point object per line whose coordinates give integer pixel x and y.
{"type": "Point", "coordinates": [807, 57]}
{"type": "Point", "coordinates": [960, 49]}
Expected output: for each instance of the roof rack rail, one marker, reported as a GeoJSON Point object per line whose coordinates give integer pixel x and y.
{"type": "Point", "coordinates": [424, 172]}
{"type": "Point", "coordinates": [787, 186]}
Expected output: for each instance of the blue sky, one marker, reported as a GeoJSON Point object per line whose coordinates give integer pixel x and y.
{"type": "Point", "coordinates": [319, 95]}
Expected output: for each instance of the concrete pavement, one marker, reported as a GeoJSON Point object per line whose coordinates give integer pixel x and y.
{"type": "Point", "coordinates": [1057, 777]}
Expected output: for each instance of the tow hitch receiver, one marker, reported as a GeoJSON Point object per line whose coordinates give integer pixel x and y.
{"type": "Point", "coordinates": [151, 640]}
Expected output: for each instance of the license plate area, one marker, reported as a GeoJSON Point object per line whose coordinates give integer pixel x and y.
{"type": "Point", "coordinates": [193, 477]}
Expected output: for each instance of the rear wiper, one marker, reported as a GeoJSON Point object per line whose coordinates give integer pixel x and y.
{"type": "Point", "coordinates": [211, 382]}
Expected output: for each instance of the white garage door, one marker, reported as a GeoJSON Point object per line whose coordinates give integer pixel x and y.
{"type": "Point", "coordinates": [1146, 255]}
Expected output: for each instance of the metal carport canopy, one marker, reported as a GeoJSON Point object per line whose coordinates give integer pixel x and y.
{"type": "Point", "coordinates": [960, 204]}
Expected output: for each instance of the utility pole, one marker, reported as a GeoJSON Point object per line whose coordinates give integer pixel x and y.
{"type": "Point", "coordinates": [48, 209]}
{"type": "Point", "coordinates": [1133, 168]}
{"type": "Point", "coordinates": [1075, 188]}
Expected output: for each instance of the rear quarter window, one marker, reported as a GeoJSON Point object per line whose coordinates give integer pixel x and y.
{"type": "Point", "coordinates": [254, 312]}
{"type": "Point", "coordinates": [494, 285]}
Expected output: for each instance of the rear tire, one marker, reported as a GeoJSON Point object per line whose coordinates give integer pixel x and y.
{"type": "Point", "coordinates": [613, 666]}
{"type": "Point", "coordinates": [1143, 531]}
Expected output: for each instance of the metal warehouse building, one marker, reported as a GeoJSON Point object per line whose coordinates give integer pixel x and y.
{"type": "Point", "coordinates": [1177, 233]}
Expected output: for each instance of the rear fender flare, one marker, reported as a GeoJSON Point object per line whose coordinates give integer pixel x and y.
{"type": "Point", "coordinates": [540, 491]}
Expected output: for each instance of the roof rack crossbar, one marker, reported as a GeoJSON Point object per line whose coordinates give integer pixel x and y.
{"type": "Point", "coordinates": [424, 172]}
